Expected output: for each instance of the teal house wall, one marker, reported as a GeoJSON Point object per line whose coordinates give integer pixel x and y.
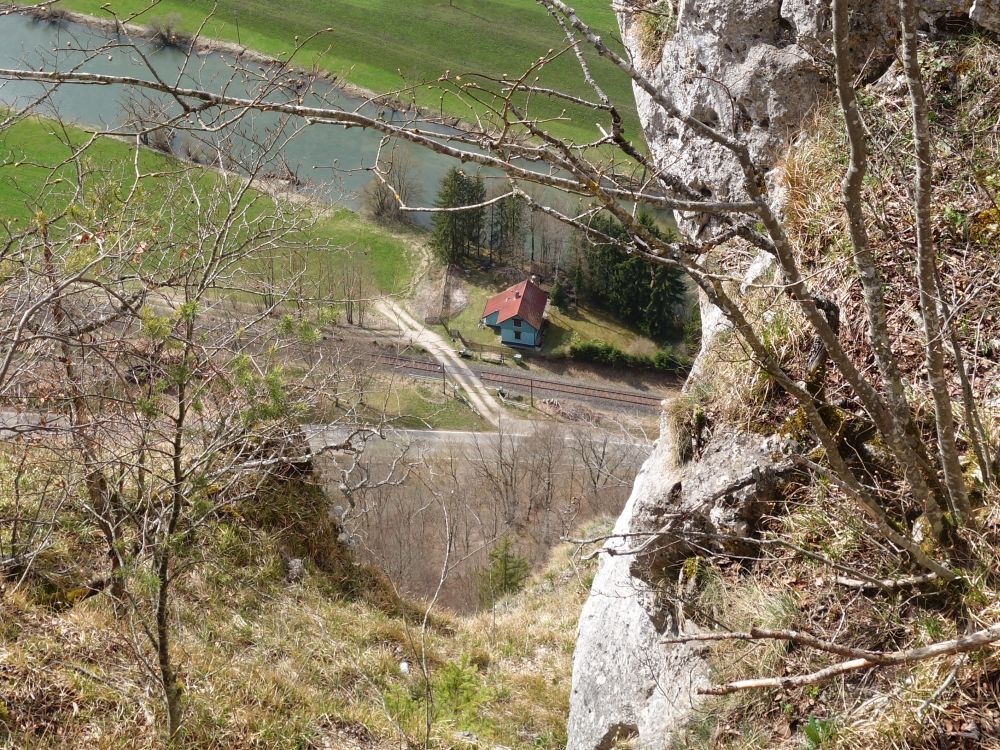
{"type": "Point", "coordinates": [517, 332]}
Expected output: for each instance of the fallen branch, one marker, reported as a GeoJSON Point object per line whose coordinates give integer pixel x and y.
{"type": "Point", "coordinates": [886, 584]}
{"type": "Point", "coordinates": [861, 659]}
{"type": "Point", "coordinates": [765, 634]}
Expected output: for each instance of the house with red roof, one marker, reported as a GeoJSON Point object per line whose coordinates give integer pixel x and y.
{"type": "Point", "coordinates": [517, 314]}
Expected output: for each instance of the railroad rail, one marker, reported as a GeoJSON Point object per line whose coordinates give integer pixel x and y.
{"type": "Point", "coordinates": [526, 383]}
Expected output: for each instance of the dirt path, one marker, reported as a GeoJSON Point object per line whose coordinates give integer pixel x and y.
{"type": "Point", "coordinates": [435, 345]}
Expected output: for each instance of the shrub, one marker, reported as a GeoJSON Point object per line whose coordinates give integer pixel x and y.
{"type": "Point", "coordinates": [667, 359]}
{"type": "Point", "coordinates": [599, 352]}
{"type": "Point", "coordinates": [49, 14]}
{"type": "Point", "coordinates": [167, 31]}
{"type": "Point", "coordinates": [505, 573]}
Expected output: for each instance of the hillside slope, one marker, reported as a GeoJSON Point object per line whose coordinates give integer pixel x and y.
{"type": "Point", "coordinates": [269, 658]}
{"type": "Point", "coordinates": [763, 561]}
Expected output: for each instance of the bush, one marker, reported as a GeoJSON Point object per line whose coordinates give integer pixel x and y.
{"type": "Point", "coordinates": [49, 14]}
{"type": "Point", "coordinates": [505, 574]}
{"type": "Point", "coordinates": [167, 32]}
{"type": "Point", "coordinates": [599, 352]}
{"type": "Point", "coordinates": [667, 359]}
{"type": "Point", "coordinates": [670, 360]}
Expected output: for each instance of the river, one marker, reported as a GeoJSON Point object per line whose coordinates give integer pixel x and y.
{"type": "Point", "coordinates": [329, 159]}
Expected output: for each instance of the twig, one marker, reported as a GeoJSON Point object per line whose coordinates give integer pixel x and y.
{"type": "Point", "coordinates": [944, 686]}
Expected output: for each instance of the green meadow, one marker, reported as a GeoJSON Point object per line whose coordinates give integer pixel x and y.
{"type": "Point", "coordinates": [388, 45]}
{"type": "Point", "coordinates": [32, 180]}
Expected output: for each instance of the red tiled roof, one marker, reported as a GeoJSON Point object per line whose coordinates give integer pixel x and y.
{"type": "Point", "coordinates": [525, 300]}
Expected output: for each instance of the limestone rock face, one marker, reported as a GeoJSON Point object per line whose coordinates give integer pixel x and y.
{"type": "Point", "coordinates": [755, 69]}
{"type": "Point", "coordinates": [986, 13]}
{"type": "Point", "coordinates": [626, 683]}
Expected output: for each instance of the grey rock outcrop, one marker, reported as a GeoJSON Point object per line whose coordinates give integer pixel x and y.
{"type": "Point", "coordinates": [626, 683]}
{"type": "Point", "coordinates": [986, 13]}
{"type": "Point", "coordinates": [754, 68]}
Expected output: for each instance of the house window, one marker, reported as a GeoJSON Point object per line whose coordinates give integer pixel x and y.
{"type": "Point", "coordinates": [517, 335]}
{"type": "Point", "coordinates": [517, 322]}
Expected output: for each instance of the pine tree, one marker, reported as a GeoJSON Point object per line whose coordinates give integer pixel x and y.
{"type": "Point", "coordinates": [625, 285]}
{"type": "Point", "coordinates": [661, 316]}
{"type": "Point", "coordinates": [445, 238]}
{"type": "Point", "coordinates": [507, 226]}
{"type": "Point", "coordinates": [458, 234]}
{"type": "Point", "coordinates": [473, 220]}
{"type": "Point", "coordinates": [559, 296]}
{"type": "Point", "coordinates": [505, 574]}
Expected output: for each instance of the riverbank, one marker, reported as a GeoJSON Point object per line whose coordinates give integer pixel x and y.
{"type": "Point", "coordinates": [375, 48]}
{"type": "Point", "coordinates": [32, 147]}
{"type": "Point", "coordinates": [203, 45]}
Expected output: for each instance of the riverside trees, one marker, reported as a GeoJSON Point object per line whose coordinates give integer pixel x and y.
{"type": "Point", "coordinates": [459, 225]}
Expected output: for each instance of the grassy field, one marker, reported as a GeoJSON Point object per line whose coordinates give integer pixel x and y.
{"type": "Point", "coordinates": [32, 148]}
{"type": "Point", "coordinates": [418, 406]}
{"type": "Point", "coordinates": [386, 45]}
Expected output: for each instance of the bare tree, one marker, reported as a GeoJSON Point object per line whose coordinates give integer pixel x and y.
{"type": "Point", "coordinates": [394, 184]}
{"type": "Point", "coordinates": [121, 355]}
{"type": "Point", "coordinates": [924, 465]}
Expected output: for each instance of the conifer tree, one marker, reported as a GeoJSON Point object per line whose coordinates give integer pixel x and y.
{"type": "Point", "coordinates": [505, 574]}
{"type": "Point", "coordinates": [458, 234]}
{"type": "Point", "coordinates": [559, 296]}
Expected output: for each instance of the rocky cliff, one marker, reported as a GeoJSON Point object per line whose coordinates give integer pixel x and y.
{"type": "Point", "coordinates": [626, 686]}
{"type": "Point", "coordinates": [756, 68]}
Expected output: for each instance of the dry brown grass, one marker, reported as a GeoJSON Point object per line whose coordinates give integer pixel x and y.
{"type": "Point", "coordinates": [808, 176]}
{"type": "Point", "coordinates": [934, 704]}
{"type": "Point", "coordinates": [268, 664]}
{"type": "Point", "coordinates": [731, 388]}
{"type": "Point", "coordinates": [656, 24]}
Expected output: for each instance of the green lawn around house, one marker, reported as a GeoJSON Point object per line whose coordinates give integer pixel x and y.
{"type": "Point", "coordinates": [31, 181]}
{"type": "Point", "coordinates": [467, 321]}
{"type": "Point", "coordinates": [388, 45]}
{"type": "Point", "coordinates": [586, 323]}
{"type": "Point", "coordinates": [591, 325]}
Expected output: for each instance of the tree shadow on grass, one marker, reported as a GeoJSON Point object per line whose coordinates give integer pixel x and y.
{"type": "Point", "coordinates": [555, 336]}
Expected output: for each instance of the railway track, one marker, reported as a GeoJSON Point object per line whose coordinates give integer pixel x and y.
{"type": "Point", "coordinates": [527, 384]}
